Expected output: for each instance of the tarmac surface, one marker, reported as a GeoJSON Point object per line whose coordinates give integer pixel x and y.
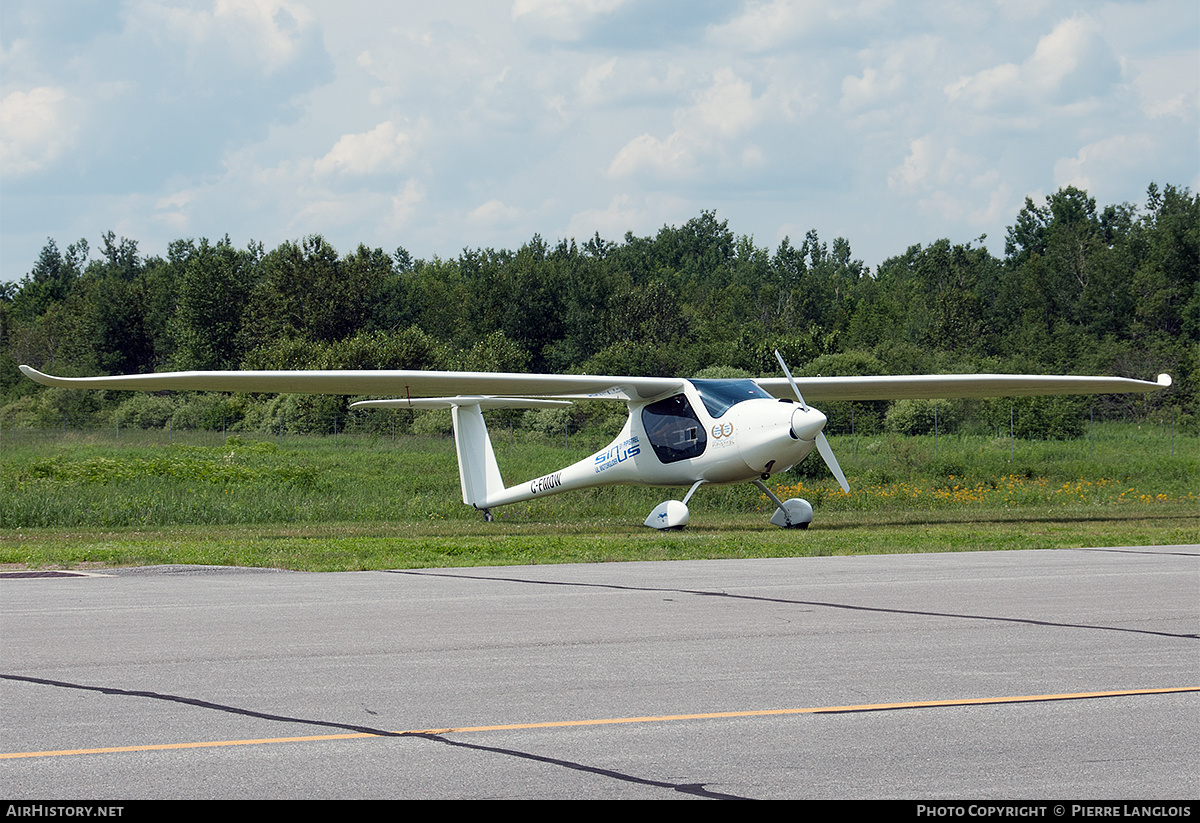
{"type": "Point", "coordinates": [1002, 675]}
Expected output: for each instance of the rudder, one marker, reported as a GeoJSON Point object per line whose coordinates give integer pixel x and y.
{"type": "Point", "coordinates": [478, 472]}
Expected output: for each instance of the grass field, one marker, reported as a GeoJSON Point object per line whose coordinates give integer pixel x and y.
{"type": "Point", "coordinates": [148, 497]}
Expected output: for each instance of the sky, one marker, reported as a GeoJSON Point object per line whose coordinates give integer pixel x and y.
{"type": "Point", "coordinates": [478, 123]}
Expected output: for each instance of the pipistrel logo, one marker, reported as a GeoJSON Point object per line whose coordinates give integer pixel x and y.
{"type": "Point", "coordinates": [720, 430]}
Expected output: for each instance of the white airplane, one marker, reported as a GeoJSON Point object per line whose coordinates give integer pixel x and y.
{"type": "Point", "coordinates": [683, 433]}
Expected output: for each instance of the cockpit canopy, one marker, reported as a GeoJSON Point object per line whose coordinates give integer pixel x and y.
{"type": "Point", "coordinates": [721, 395]}
{"type": "Point", "coordinates": [673, 427]}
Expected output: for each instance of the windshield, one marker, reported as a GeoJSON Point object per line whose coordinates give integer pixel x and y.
{"type": "Point", "coordinates": [720, 395]}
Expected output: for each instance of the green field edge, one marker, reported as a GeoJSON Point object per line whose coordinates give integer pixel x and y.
{"type": "Point", "coordinates": [359, 546]}
{"type": "Point", "coordinates": [76, 501]}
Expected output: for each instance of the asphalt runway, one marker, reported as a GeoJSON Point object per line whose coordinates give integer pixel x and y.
{"type": "Point", "coordinates": [997, 675]}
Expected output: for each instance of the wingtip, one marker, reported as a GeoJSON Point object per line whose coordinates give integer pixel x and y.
{"type": "Point", "coordinates": [1164, 380]}
{"type": "Point", "coordinates": [41, 377]}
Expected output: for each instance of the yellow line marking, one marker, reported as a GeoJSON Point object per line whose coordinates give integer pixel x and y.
{"type": "Point", "coordinates": [867, 707]}
{"type": "Point", "coordinates": [201, 745]}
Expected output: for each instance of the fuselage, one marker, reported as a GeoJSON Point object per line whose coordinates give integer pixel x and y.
{"type": "Point", "coordinates": [714, 431]}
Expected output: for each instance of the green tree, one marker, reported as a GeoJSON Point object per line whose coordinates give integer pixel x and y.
{"type": "Point", "coordinates": [213, 286]}
{"type": "Point", "coordinates": [50, 281]}
{"type": "Point", "coordinates": [306, 292]}
{"type": "Point", "coordinates": [1166, 282]}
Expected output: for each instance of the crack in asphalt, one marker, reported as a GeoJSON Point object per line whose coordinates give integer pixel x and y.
{"type": "Point", "coordinates": [757, 598]}
{"type": "Point", "coordinates": [694, 789]}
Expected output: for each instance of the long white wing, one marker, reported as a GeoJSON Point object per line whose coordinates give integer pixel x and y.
{"type": "Point", "coordinates": [901, 387]}
{"type": "Point", "coordinates": [414, 384]}
{"type": "Point", "coordinates": [400, 384]}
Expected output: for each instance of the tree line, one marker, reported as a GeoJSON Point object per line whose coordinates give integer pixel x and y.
{"type": "Point", "coordinates": [1080, 289]}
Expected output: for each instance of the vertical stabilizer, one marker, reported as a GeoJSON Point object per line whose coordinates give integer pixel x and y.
{"type": "Point", "coordinates": [477, 468]}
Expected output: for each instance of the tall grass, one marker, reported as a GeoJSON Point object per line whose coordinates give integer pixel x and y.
{"type": "Point", "coordinates": [139, 478]}
{"type": "Point", "coordinates": [70, 499]}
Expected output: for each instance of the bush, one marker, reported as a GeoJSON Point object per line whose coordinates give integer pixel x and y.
{"type": "Point", "coordinates": [147, 411]}
{"type": "Point", "coordinates": [54, 406]}
{"type": "Point", "coordinates": [432, 421]}
{"type": "Point", "coordinates": [861, 417]}
{"type": "Point", "coordinates": [550, 423]}
{"type": "Point", "coordinates": [207, 411]}
{"type": "Point", "coordinates": [1038, 418]}
{"type": "Point", "coordinates": [923, 416]}
{"type": "Point", "coordinates": [24, 412]}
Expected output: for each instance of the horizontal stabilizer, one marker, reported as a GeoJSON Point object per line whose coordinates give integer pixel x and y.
{"type": "Point", "coordinates": [461, 400]}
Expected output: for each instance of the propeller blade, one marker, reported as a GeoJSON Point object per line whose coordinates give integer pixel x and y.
{"type": "Point", "coordinates": [827, 453]}
{"type": "Point", "coordinates": [822, 442]}
{"type": "Point", "coordinates": [791, 379]}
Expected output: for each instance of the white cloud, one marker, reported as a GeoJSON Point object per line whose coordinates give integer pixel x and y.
{"type": "Point", "coordinates": [439, 126]}
{"type": "Point", "coordinates": [405, 203]}
{"type": "Point", "coordinates": [1022, 9]}
{"type": "Point", "coordinates": [383, 149]}
{"type": "Point", "coordinates": [728, 107]}
{"type": "Point", "coordinates": [859, 91]}
{"type": "Point", "coordinates": [769, 25]}
{"type": "Point", "coordinates": [931, 163]}
{"type": "Point", "coordinates": [494, 213]}
{"type": "Point", "coordinates": [619, 217]}
{"type": "Point", "coordinates": [953, 185]}
{"type": "Point", "coordinates": [597, 79]}
{"type": "Point", "coordinates": [703, 134]}
{"type": "Point", "coordinates": [764, 26]}
{"type": "Point", "coordinates": [641, 214]}
{"type": "Point", "coordinates": [915, 169]}
{"type": "Point", "coordinates": [969, 209]}
{"type": "Point", "coordinates": [903, 67]}
{"type": "Point", "coordinates": [1070, 64]}
{"type": "Point", "coordinates": [998, 209]}
{"type": "Point", "coordinates": [670, 158]}
{"type": "Point", "coordinates": [1102, 160]}
{"type": "Point", "coordinates": [561, 19]}
{"type": "Point", "coordinates": [1168, 85]}
{"type": "Point", "coordinates": [633, 80]}
{"type": "Point", "coordinates": [35, 129]}
{"type": "Point", "coordinates": [269, 33]}
{"type": "Point", "coordinates": [172, 210]}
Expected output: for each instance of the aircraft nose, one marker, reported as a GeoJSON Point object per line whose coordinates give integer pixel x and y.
{"type": "Point", "coordinates": [807, 423]}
